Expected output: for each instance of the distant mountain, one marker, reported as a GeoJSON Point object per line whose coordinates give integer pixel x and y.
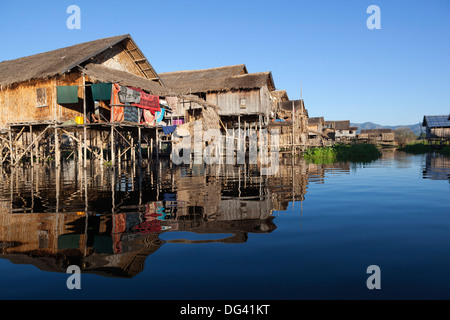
{"type": "Point", "coordinates": [416, 128]}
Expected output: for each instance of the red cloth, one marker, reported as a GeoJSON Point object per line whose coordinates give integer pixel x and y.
{"type": "Point", "coordinates": [148, 102]}
{"type": "Point", "coordinates": [118, 114]}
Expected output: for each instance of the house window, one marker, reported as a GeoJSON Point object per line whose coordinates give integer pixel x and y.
{"type": "Point", "coordinates": [243, 103]}
{"type": "Point", "coordinates": [41, 97]}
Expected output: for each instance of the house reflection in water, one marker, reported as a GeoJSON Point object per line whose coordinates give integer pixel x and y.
{"type": "Point", "coordinates": [109, 222]}
{"type": "Point", "coordinates": [437, 167]}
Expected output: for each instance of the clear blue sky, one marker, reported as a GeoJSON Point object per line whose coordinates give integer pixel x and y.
{"type": "Point", "coordinates": [391, 76]}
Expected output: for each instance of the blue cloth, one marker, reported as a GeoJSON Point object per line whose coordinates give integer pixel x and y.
{"type": "Point", "coordinates": [169, 130]}
{"type": "Point", "coordinates": [160, 115]}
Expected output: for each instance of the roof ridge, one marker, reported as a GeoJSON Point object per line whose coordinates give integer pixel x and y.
{"type": "Point", "coordinates": [203, 70]}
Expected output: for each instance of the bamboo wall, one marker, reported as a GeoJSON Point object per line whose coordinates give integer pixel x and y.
{"type": "Point", "coordinates": [258, 102]}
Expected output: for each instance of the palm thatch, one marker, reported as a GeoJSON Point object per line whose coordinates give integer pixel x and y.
{"type": "Point", "coordinates": [223, 84]}
{"type": "Point", "coordinates": [280, 95]}
{"type": "Point", "coordinates": [377, 131]}
{"type": "Point", "coordinates": [287, 105]}
{"type": "Point", "coordinates": [179, 77]}
{"type": "Point", "coordinates": [316, 121]}
{"type": "Point", "coordinates": [58, 62]}
{"type": "Point", "coordinates": [338, 125]}
{"type": "Point", "coordinates": [101, 73]}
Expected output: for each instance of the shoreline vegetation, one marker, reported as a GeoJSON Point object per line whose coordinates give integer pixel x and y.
{"type": "Point", "coordinates": [423, 148]}
{"type": "Point", "coordinates": [362, 153]}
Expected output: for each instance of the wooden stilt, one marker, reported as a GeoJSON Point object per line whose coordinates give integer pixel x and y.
{"type": "Point", "coordinates": [113, 157]}
{"type": "Point", "coordinates": [139, 147]}
{"type": "Point", "coordinates": [57, 149]}
{"type": "Point", "coordinates": [31, 151]}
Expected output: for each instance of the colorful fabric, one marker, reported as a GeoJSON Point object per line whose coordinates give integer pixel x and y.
{"type": "Point", "coordinates": [169, 130]}
{"type": "Point", "coordinates": [67, 94]}
{"type": "Point", "coordinates": [160, 115]}
{"type": "Point", "coordinates": [132, 114]}
{"type": "Point", "coordinates": [147, 101]}
{"type": "Point", "coordinates": [178, 122]}
{"type": "Point", "coordinates": [149, 118]}
{"type": "Point", "coordinates": [101, 91]}
{"type": "Point", "coordinates": [172, 102]}
{"type": "Point", "coordinates": [128, 95]}
{"type": "Point", "coordinates": [118, 114]}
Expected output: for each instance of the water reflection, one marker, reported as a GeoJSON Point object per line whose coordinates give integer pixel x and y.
{"type": "Point", "coordinates": [437, 167]}
{"type": "Point", "coordinates": [109, 222]}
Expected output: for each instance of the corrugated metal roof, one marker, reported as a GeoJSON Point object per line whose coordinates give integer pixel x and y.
{"type": "Point", "coordinates": [436, 122]}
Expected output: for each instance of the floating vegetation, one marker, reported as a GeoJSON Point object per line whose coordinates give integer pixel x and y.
{"type": "Point", "coordinates": [363, 153]}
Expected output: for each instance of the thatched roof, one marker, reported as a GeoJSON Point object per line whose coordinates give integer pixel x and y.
{"type": "Point", "coordinates": [100, 73]}
{"type": "Point", "coordinates": [178, 78]}
{"type": "Point", "coordinates": [199, 101]}
{"type": "Point", "coordinates": [57, 62]}
{"type": "Point", "coordinates": [377, 131]}
{"type": "Point", "coordinates": [242, 82]}
{"type": "Point", "coordinates": [316, 121]}
{"type": "Point", "coordinates": [280, 95]}
{"type": "Point", "coordinates": [287, 105]}
{"type": "Point", "coordinates": [338, 125]}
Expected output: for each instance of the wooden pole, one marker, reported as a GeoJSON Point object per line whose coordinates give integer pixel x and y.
{"type": "Point", "coordinates": [11, 153]}
{"type": "Point", "coordinates": [32, 141]}
{"type": "Point", "coordinates": [113, 157]}
{"type": "Point", "coordinates": [84, 121]}
{"type": "Point", "coordinates": [57, 149]}
{"type": "Point", "coordinates": [140, 146]}
{"type": "Point", "coordinates": [293, 128]}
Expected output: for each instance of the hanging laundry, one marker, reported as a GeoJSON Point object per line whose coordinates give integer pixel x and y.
{"type": "Point", "coordinates": [127, 95]}
{"type": "Point", "coordinates": [118, 114]}
{"type": "Point", "coordinates": [160, 115]}
{"type": "Point", "coordinates": [172, 102]}
{"type": "Point", "coordinates": [149, 118]}
{"type": "Point", "coordinates": [169, 130]}
{"type": "Point", "coordinates": [148, 101]}
{"type": "Point", "coordinates": [178, 122]}
{"type": "Point", "coordinates": [67, 94]}
{"type": "Point", "coordinates": [101, 91]}
{"type": "Point", "coordinates": [132, 114]}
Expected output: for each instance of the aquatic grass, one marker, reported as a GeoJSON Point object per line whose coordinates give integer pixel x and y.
{"type": "Point", "coordinates": [362, 153]}
{"type": "Point", "coordinates": [424, 148]}
{"type": "Point", "coordinates": [417, 148]}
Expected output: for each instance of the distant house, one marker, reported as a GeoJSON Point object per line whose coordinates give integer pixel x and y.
{"type": "Point", "coordinates": [316, 126]}
{"type": "Point", "coordinates": [437, 127]}
{"type": "Point", "coordinates": [242, 97]}
{"type": "Point", "coordinates": [291, 119]}
{"type": "Point", "coordinates": [377, 136]}
{"type": "Point", "coordinates": [315, 131]}
{"type": "Point", "coordinates": [340, 130]}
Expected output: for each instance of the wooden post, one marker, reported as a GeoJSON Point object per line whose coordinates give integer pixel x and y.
{"type": "Point", "coordinates": [31, 151]}
{"type": "Point", "coordinates": [133, 151]}
{"type": "Point", "coordinates": [80, 150]}
{"type": "Point", "coordinates": [293, 128]}
{"type": "Point", "coordinates": [84, 121]}
{"type": "Point", "coordinates": [113, 156]}
{"type": "Point", "coordinates": [11, 153]}
{"type": "Point", "coordinates": [139, 146]}
{"type": "Point", "coordinates": [57, 149]}
{"type": "Point", "coordinates": [157, 146]}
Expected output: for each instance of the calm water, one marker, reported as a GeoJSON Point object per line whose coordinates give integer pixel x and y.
{"type": "Point", "coordinates": [221, 233]}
